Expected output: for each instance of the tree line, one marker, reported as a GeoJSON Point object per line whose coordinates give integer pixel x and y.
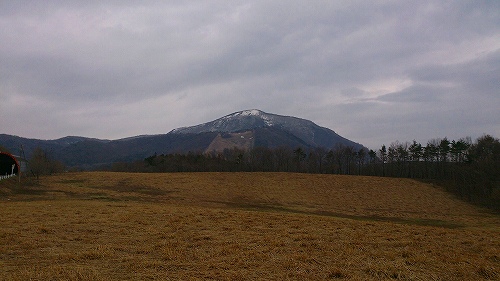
{"type": "Point", "coordinates": [470, 169]}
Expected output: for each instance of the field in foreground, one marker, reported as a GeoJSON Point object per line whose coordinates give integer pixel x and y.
{"type": "Point", "coordinates": [241, 226]}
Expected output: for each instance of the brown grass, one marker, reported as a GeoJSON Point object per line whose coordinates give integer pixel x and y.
{"type": "Point", "coordinates": [241, 226]}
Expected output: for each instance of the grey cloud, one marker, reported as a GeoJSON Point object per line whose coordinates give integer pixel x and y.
{"type": "Point", "coordinates": [416, 94]}
{"type": "Point", "coordinates": [194, 61]}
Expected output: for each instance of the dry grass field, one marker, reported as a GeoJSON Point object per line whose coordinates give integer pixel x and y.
{"type": "Point", "coordinates": [241, 226]}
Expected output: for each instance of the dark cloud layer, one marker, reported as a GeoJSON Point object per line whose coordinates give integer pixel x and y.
{"type": "Point", "coordinates": [374, 72]}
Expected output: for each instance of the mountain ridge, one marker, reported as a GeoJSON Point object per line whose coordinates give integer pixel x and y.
{"type": "Point", "coordinates": [243, 130]}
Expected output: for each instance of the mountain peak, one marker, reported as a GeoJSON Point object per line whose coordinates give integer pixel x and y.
{"type": "Point", "coordinates": [253, 116]}
{"type": "Point", "coordinates": [249, 112]}
{"type": "Point", "coordinates": [246, 113]}
{"type": "Point", "coordinates": [238, 121]}
{"type": "Point", "coordinates": [254, 119]}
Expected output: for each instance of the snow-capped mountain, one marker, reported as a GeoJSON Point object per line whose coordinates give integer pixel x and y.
{"type": "Point", "coordinates": [244, 130]}
{"type": "Point", "coordinates": [238, 121]}
{"type": "Point", "coordinates": [304, 130]}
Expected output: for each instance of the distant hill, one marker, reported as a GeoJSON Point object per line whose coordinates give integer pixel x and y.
{"type": "Point", "coordinates": [245, 130]}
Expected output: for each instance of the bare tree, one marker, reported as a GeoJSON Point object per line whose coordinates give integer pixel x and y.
{"type": "Point", "coordinates": [41, 164]}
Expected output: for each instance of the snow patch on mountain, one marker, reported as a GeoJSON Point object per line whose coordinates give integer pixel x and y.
{"type": "Point", "coordinates": [251, 112]}
{"type": "Point", "coordinates": [268, 119]}
{"type": "Point", "coordinates": [246, 119]}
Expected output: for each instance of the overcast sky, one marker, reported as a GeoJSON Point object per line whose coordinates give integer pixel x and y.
{"type": "Point", "coordinates": [372, 71]}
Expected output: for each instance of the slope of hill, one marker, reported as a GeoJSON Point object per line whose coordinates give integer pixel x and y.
{"type": "Point", "coordinates": [91, 153]}
{"type": "Point", "coordinates": [242, 226]}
